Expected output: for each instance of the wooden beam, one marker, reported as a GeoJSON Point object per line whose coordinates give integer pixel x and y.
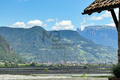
{"type": "Point", "coordinates": [89, 13]}
{"type": "Point", "coordinates": [99, 11]}
{"type": "Point", "coordinates": [114, 18]}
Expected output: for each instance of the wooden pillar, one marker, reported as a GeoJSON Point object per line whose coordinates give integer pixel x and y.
{"type": "Point", "coordinates": [117, 23]}
{"type": "Point", "coordinates": [119, 39]}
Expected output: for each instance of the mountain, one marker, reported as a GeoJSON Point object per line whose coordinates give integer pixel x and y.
{"type": "Point", "coordinates": [106, 35]}
{"type": "Point", "coordinates": [7, 53]}
{"type": "Point", "coordinates": [37, 44]}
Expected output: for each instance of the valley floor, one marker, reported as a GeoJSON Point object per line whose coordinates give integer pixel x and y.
{"type": "Point", "coordinates": [52, 70]}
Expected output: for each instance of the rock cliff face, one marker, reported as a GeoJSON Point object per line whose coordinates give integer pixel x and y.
{"type": "Point", "coordinates": [106, 35]}
{"type": "Point", "coordinates": [5, 45]}
{"type": "Point", "coordinates": [7, 53]}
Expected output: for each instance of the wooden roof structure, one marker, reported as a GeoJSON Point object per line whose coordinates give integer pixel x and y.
{"type": "Point", "coordinates": [100, 5]}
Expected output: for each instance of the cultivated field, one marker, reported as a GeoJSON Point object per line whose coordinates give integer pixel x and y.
{"type": "Point", "coordinates": [53, 70]}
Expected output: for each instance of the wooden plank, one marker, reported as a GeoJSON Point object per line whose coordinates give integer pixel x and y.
{"type": "Point", "coordinates": [114, 18]}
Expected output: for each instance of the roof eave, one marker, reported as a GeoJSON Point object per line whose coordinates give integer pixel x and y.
{"type": "Point", "coordinates": [89, 12]}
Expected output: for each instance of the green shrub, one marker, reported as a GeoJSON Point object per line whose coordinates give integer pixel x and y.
{"type": "Point", "coordinates": [2, 66]}
{"type": "Point", "coordinates": [6, 63]}
{"type": "Point", "coordinates": [116, 71]}
{"type": "Point", "coordinates": [51, 65]}
{"type": "Point", "coordinates": [16, 65]}
{"type": "Point", "coordinates": [56, 67]}
{"type": "Point", "coordinates": [33, 64]}
{"type": "Point", "coordinates": [46, 69]}
{"type": "Point", "coordinates": [43, 65]}
{"type": "Point", "coordinates": [83, 75]}
{"type": "Point", "coordinates": [62, 65]}
{"type": "Point", "coordinates": [85, 67]}
{"type": "Point", "coordinates": [12, 65]}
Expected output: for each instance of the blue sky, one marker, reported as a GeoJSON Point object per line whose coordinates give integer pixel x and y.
{"type": "Point", "coordinates": [50, 14]}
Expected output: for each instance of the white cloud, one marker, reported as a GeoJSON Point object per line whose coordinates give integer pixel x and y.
{"type": "Point", "coordinates": [117, 11]}
{"type": "Point", "coordinates": [19, 25]}
{"type": "Point", "coordinates": [105, 15]}
{"type": "Point", "coordinates": [83, 24]}
{"type": "Point", "coordinates": [111, 20]}
{"type": "Point", "coordinates": [48, 20]}
{"type": "Point", "coordinates": [35, 23]}
{"type": "Point", "coordinates": [108, 14]}
{"type": "Point", "coordinates": [29, 24]}
{"type": "Point", "coordinates": [63, 25]}
{"type": "Point", "coordinates": [83, 21]}
{"type": "Point", "coordinates": [95, 18]}
{"type": "Point", "coordinates": [56, 19]}
{"type": "Point", "coordinates": [111, 24]}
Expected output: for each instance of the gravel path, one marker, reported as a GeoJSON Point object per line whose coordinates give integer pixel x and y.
{"type": "Point", "coordinates": [29, 77]}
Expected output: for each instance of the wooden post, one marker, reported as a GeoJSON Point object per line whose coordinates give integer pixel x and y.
{"type": "Point", "coordinates": [117, 23]}
{"type": "Point", "coordinates": [119, 39]}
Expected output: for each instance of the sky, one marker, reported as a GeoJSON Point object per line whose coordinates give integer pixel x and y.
{"type": "Point", "coordinates": [51, 14]}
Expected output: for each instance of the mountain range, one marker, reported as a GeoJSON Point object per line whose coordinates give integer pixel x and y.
{"type": "Point", "coordinates": [39, 45]}
{"type": "Point", "coordinates": [106, 35]}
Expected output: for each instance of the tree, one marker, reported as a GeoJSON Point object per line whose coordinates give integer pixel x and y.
{"type": "Point", "coordinates": [12, 65]}
{"type": "Point", "coordinates": [33, 64]}
{"type": "Point", "coordinates": [46, 69]}
{"type": "Point", "coordinates": [56, 67]}
{"type": "Point", "coordinates": [6, 63]}
{"type": "Point", "coordinates": [85, 67]}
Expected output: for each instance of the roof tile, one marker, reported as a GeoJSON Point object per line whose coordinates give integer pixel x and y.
{"type": "Point", "coordinates": [97, 4]}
